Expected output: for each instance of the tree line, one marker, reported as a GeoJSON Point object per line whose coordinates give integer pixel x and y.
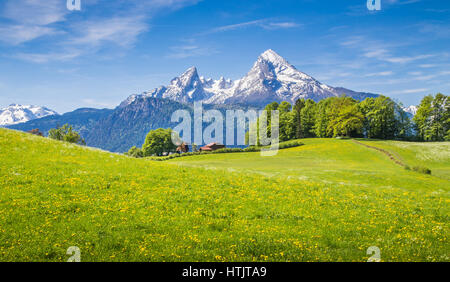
{"type": "Point", "coordinates": [377, 118]}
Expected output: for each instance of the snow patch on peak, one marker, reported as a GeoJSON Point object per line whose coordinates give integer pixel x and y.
{"type": "Point", "coordinates": [223, 83]}
{"type": "Point", "coordinates": [15, 113]}
{"type": "Point", "coordinates": [188, 78]}
{"type": "Point", "coordinates": [190, 72]}
{"type": "Point", "coordinates": [412, 110]}
{"type": "Point", "coordinates": [273, 57]}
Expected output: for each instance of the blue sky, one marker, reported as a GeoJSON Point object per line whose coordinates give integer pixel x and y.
{"type": "Point", "coordinates": [98, 56]}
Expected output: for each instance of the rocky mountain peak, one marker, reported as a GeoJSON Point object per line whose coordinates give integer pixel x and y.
{"type": "Point", "coordinates": [272, 78]}
{"type": "Point", "coordinates": [274, 58]}
{"type": "Point", "coordinates": [189, 78]}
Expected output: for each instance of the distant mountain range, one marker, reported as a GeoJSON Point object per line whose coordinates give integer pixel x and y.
{"type": "Point", "coordinates": [271, 78]}
{"type": "Point", "coordinates": [82, 120]}
{"type": "Point", "coordinates": [128, 125]}
{"type": "Point", "coordinates": [14, 114]}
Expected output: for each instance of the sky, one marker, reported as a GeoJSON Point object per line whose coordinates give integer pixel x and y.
{"type": "Point", "coordinates": [96, 57]}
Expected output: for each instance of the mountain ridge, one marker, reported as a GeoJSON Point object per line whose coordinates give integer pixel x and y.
{"type": "Point", "coordinates": [272, 78]}
{"type": "Point", "coordinates": [82, 120]}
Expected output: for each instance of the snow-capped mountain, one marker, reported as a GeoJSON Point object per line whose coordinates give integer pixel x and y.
{"type": "Point", "coordinates": [272, 78]}
{"type": "Point", "coordinates": [412, 110]}
{"type": "Point", "coordinates": [15, 114]}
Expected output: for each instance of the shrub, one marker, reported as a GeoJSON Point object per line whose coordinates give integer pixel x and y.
{"type": "Point", "coordinates": [252, 149]}
{"type": "Point", "coordinates": [228, 150]}
{"type": "Point", "coordinates": [135, 152]}
{"type": "Point", "coordinates": [422, 169]}
{"type": "Point", "coordinates": [288, 144]}
{"type": "Point", "coordinates": [66, 133]}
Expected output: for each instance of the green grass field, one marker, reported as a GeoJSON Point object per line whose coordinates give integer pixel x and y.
{"type": "Point", "coordinates": [328, 200]}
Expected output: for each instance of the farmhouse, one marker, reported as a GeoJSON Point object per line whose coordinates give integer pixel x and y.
{"type": "Point", "coordinates": [212, 147]}
{"type": "Point", "coordinates": [183, 148]}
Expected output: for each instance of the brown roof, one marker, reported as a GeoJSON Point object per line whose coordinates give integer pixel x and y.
{"type": "Point", "coordinates": [212, 146]}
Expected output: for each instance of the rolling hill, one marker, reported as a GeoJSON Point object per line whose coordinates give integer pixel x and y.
{"type": "Point", "coordinates": [328, 200]}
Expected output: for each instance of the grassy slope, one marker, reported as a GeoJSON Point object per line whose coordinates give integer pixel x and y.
{"type": "Point", "coordinates": [435, 156]}
{"type": "Point", "coordinates": [335, 161]}
{"type": "Point", "coordinates": [328, 200]}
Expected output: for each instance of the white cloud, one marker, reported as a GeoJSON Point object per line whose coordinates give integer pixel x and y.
{"type": "Point", "coordinates": [403, 60]}
{"type": "Point", "coordinates": [235, 26]}
{"type": "Point", "coordinates": [424, 77]}
{"type": "Point", "coordinates": [47, 57]}
{"type": "Point", "coordinates": [401, 2]}
{"type": "Point", "coordinates": [384, 55]}
{"type": "Point", "coordinates": [30, 19]}
{"type": "Point", "coordinates": [354, 40]}
{"type": "Point", "coordinates": [384, 73]}
{"type": "Point", "coordinates": [374, 49]}
{"type": "Point", "coordinates": [18, 34]}
{"type": "Point", "coordinates": [263, 23]}
{"type": "Point", "coordinates": [122, 31]}
{"type": "Point", "coordinates": [35, 12]}
{"type": "Point", "coordinates": [277, 25]}
{"type": "Point", "coordinates": [410, 91]}
{"type": "Point", "coordinates": [186, 51]}
{"type": "Point", "coordinates": [420, 77]}
{"type": "Point", "coordinates": [172, 4]}
{"type": "Point", "coordinates": [377, 53]}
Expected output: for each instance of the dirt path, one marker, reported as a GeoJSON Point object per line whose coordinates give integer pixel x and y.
{"type": "Point", "coordinates": [389, 154]}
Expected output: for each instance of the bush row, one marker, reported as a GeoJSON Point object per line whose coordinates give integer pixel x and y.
{"type": "Point", "coordinates": [283, 145]}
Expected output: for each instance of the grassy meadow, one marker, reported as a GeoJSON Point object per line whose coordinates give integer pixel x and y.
{"type": "Point", "coordinates": [328, 200]}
